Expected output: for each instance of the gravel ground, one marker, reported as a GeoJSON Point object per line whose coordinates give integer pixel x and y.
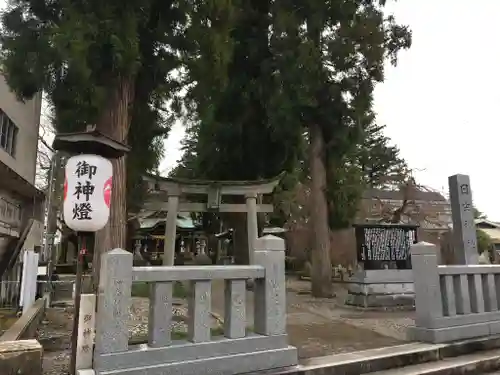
{"type": "Point", "coordinates": [138, 318]}
{"type": "Point", "coordinates": [55, 332]}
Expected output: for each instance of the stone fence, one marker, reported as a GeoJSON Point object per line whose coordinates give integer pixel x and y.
{"type": "Point", "coordinates": [235, 353]}
{"type": "Point", "coordinates": [453, 302]}
{"type": "Point", "coordinates": [20, 353]}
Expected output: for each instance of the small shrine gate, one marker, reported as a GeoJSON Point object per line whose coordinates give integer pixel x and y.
{"type": "Point", "coordinates": [167, 194]}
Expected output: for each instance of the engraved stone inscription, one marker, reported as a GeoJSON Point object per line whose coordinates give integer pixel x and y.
{"type": "Point", "coordinates": [464, 228]}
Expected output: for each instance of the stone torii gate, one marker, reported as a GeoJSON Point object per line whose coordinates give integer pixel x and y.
{"type": "Point", "coordinates": [166, 194]}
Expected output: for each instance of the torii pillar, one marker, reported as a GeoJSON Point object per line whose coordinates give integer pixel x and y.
{"type": "Point", "coordinates": [252, 224]}
{"type": "Point", "coordinates": [170, 230]}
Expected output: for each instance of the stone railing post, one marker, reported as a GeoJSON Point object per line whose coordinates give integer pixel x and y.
{"type": "Point", "coordinates": [115, 287]}
{"type": "Point", "coordinates": [428, 297]}
{"type": "Point", "coordinates": [270, 292]}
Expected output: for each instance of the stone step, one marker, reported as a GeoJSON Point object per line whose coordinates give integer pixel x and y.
{"type": "Point", "coordinates": [469, 364]}
{"type": "Point", "coordinates": [399, 358]}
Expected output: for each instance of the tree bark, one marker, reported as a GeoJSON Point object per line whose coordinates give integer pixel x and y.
{"type": "Point", "coordinates": [238, 222]}
{"type": "Point", "coordinates": [321, 265]}
{"type": "Point", "coordinates": [115, 123]}
{"type": "Point", "coordinates": [63, 255]}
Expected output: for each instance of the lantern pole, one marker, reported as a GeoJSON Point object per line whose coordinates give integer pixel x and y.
{"type": "Point", "coordinates": [82, 250]}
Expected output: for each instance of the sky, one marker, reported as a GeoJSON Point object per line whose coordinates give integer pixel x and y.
{"type": "Point", "coordinates": [440, 103]}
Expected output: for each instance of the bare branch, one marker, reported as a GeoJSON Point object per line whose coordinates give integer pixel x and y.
{"type": "Point", "coordinates": [411, 207]}
{"type": "Point", "coordinates": [44, 142]}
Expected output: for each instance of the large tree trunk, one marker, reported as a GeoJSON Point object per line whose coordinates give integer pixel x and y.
{"type": "Point", "coordinates": [115, 123]}
{"type": "Point", "coordinates": [321, 265]}
{"type": "Point", "coordinates": [63, 254]}
{"type": "Point", "coordinates": [238, 222]}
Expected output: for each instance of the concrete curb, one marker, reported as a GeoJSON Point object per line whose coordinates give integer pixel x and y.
{"type": "Point", "coordinates": [26, 326]}
{"type": "Point", "coordinates": [401, 356]}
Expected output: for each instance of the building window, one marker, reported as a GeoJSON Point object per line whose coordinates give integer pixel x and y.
{"type": "Point", "coordinates": [8, 134]}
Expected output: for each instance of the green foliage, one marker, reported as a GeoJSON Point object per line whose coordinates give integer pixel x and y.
{"type": "Point", "coordinates": [345, 189]}
{"type": "Point", "coordinates": [328, 71]}
{"type": "Point", "coordinates": [79, 52]}
{"type": "Point", "coordinates": [378, 161]}
{"type": "Point", "coordinates": [318, 64]}
{"type": "Point", "coordinates": [372, 163]}
{"type": "Point", "coordinates": [484, 242]}
{"type": "Point", "coordinates": [256, 76]}
{"type": "Point", "coordinates": [233, 134]}
{"type": "Point", "coordinates": [478, 214]}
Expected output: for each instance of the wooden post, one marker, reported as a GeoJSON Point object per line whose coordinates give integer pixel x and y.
{"type": "Point", "coordinates": [82, 249]}
{"type": "Point", "coordinates": [86, 325]}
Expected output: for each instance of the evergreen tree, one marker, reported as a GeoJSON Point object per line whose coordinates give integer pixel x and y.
{"type": "Point", "coordinates": [105, 63]}
{"type": "Point", "coordinates": [291, 67]}
{"type": "Point", "coordinates": [229, 102]}
{"type": "Point", "coordinates": [230, 96]}
{"type": "Point", "coordinates": [330, 56]}
{"type": "Point", "coordinates": [377, 159]}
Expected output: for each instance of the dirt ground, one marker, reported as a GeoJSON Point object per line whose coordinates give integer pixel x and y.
{"type": "Point", "coordinates": [316, 327]}
{"type": "Point", "coordinates": [7, 318]}
{"type": "Point", "coordinates": [320, 339]}
{"type": "Point", "coordinates": [55, 337]}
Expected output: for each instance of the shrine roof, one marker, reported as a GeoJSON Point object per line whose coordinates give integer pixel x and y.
{"type": "Point", "coordinates": [90, 142]}
{"type": "Point", "coordinates": [184, 221]}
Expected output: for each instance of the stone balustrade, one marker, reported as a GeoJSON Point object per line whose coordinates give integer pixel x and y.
{"type": "Point", "coordinates": [237, 352]}
{"type": "Point", "coordinates": [453, 302]}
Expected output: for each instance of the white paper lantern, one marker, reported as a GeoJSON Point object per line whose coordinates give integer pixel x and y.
{"type": "Point", "coordinates": [87, 192]}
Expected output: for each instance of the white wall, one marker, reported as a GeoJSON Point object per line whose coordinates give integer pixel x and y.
{"type": "Point", "coordinates": [26, 116]}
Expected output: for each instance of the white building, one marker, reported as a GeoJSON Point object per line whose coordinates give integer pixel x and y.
{"type": "Point", "coordinates": [21, 204]}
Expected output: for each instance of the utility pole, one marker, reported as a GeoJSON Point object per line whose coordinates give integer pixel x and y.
{"type": "Point", "coordinates": [55, 180]}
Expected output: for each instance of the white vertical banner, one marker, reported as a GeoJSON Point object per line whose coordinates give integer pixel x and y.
{"type": "Point", "coordinates": [23, 278]}
{"type": "Point", "coordinates": [35, 257]}
{"type": "Point", "coordinates": [86, 332]}
{"type": "Point", "coordinates": [29, 279]}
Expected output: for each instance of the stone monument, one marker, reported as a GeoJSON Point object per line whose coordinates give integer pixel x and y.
{"type": "Point", "coordinates": [464, 227]}
{"type": "Point", "coordinates": [384, 276]}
